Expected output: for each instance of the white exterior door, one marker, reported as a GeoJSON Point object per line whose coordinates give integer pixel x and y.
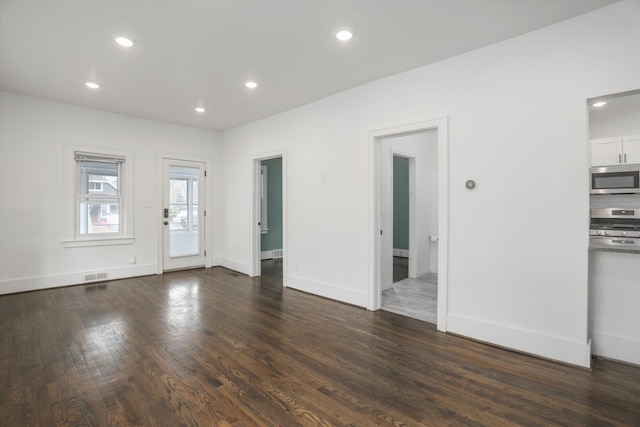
{"type": "Point", "coordinates": [183, 214]}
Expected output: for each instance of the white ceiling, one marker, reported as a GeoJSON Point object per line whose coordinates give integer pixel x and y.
{"type": "Point", "coordinates": [191, 53]}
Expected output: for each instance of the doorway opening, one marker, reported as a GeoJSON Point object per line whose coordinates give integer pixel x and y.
{"type": "Point", "coordinates": [269, 219]}
{"type": "Point", "coordinates": [410, 200]}
{"type": "Point", "coordinates": [413, 156]}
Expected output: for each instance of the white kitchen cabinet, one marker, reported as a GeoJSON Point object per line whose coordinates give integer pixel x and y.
{"type": "Point", "coordinates": [622, 150]}
{"type": "Point", "coordinates": [631, 149]}
{"type": "Point", "coordinates": [614, 305]}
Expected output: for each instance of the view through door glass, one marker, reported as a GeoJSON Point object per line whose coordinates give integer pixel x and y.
{"type": "Point", "coordinates": [183, 212]}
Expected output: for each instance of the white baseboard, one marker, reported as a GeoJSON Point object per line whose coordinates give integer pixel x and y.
{"type": "Point", "coordinates": [385, 286]}
{"type": "Point", "coordinates": [270, 254]}
{"type": "Point", "coordinates": [34, 283]}
{"type": "Point", "coordinates": [622, 349]}
{"type": "Point", "coordinates": [423, 272]}
{"type": "Point", "coordinates": [403, 253]}
{"type": "Point", "coordinates": [215, 262]}
{"type": "Point", "coordinates": [543, 345]}
{"type": "Point", "coordinates": [327, 290]}
{"type": "Point", "coordinates": [232, 264]}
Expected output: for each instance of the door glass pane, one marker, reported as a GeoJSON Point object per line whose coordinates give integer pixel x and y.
{"type": "Point", "coordinates": [178, 203]}
{"type": "Point", "coordinates": [183, 212]}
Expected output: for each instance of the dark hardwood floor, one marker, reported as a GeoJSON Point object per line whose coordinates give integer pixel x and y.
{"type": "Point", "coordinates": [400, 268]}
{"type": "Point", "coordinates": [211, 347]}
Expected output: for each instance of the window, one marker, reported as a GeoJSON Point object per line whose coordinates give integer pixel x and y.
{"type": "Point", "coordinates": [98, 197]}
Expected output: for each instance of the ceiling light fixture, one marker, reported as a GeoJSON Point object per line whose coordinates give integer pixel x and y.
{"type": "Point", "coordinates": [251, 85]}
{"type": "Point", "coordinates": [200, 109]}
{"type": "Point", "coordinates": [92, 85]}
{"type": "Point", "coordinates": [599, 104]}
{"type": "Point", "coordinates": [344, 35]}
{"type": "Point", "coordinates": [124, 42]}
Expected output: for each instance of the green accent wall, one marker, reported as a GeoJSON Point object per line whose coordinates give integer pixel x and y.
{"type": "Point", "coordinates": [273, 238]}
{"type": "Point", "coordinates": [400, 203]}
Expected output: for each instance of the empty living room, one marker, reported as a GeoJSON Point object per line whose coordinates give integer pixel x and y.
{"type": "Point", "coordinates": [231, 213]}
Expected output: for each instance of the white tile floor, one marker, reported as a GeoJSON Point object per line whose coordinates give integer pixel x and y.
{"type": "Point", "coordinates": [416, 298]}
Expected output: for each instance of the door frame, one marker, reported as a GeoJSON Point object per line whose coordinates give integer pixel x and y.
{"type": "Point", "coordinates": [440, 124]}
{"type": "Point", "coordinates": [256, 232]}
{"type": "Point", "coordinates": [208, 219]}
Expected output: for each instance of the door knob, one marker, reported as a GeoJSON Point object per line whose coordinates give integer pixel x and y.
{"type": "Point", "coordinates": [166, 223]}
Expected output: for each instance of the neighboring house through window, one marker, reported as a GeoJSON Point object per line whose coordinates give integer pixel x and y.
{"type": "Point", "coordinates": [95, 187]}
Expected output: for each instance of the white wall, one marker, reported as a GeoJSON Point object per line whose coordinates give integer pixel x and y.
{"type": "Point", "coordinates": [517, 125]}
{"type": "Point", "coordinates": [33, 134]}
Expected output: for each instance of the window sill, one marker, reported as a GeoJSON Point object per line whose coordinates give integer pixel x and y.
{"type": "Point", "coordinates": [102, 241]}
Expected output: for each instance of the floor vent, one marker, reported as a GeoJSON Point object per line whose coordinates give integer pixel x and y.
{"type": "Point", "coordinates": [277, 253]}
{"type": "Point", "coordinates": [95, 277]}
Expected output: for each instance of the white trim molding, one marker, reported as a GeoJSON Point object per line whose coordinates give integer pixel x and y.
{"type": "Point", "coordinates": [402, 253]}
{"type": "Point", "coordinates": [526, 341]}
{"type": "Point", "coordinates": [328, 290]}
{"type": "Point", "coordinates": [615, 347]}
{"type": "Point", "coordinates": [34, 283]}
{"type": "Point", "coordinates": [441, 124]}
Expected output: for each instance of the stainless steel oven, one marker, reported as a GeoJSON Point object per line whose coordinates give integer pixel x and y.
{"type": "Point", "coordinates": [615, 228]}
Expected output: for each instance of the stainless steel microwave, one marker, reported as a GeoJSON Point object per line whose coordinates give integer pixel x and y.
{"type": "Point", "coordinates": [615, 179]}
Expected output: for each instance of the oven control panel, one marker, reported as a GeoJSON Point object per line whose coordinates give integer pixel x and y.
{"type": "Point", "coordinates": [615, 228]}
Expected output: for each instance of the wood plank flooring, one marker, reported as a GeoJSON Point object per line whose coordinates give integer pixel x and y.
{"type": "Point", "coordinates": [211, 347]}
{"type": "Point", "coordinates": [400, 268]}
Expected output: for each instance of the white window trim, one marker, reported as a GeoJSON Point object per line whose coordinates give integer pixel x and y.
{"type": "Point", "coordinates": [72, 237]}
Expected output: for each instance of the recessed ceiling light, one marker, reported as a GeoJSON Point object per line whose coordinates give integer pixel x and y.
{"type": "Point", "coordinates": [599, 104]}
{"type": "Point", "coordinates": [251, 85]}
{"type": "Point", "coordinates": [92, 85]}
{"type": "Point", "coordinates": [344, 35]}
{"type": "Point", "coordinates": [200, 109]}
{"type": "Point", "coordinates": [124, 42]}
